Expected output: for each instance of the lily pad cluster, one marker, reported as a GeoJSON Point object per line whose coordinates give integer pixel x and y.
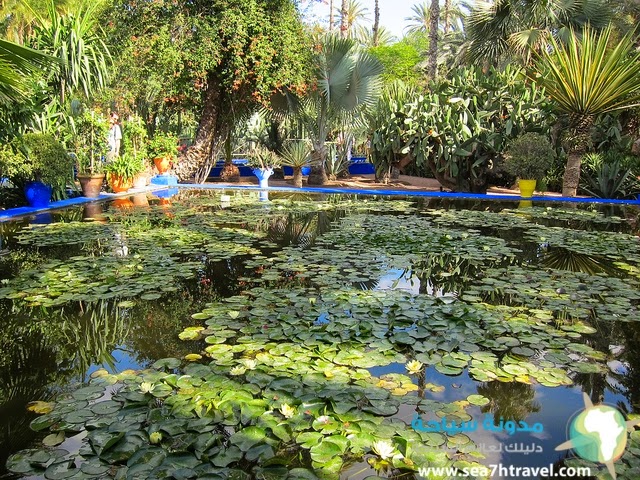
{"type": "Point", "coordinates": [208, 423]}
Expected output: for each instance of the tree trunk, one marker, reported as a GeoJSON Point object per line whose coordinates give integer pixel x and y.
{"type": "Point", "coordinates": [198, 159]}
{"type": "Point", "coordinates": [330, 16]}
{"type": "Point", "coordinates": [571, 177]}
{"type": "Point", "coordinates": [447, 10]}
{"type": "Point", "coordinates": [376, 23]}
{"type": "Point", "coordinates": [297, 177]}
{"type": "Point", "coordinates": [318, 175]}
{"type": "Point", "coordinates": [434, 21]}
{"type": "Point", "coordinates": [344, 27]}
{"type": "Point", "coordinates": [578, 138]}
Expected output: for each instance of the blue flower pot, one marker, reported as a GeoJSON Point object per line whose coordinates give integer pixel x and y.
{"type": "Point", "coordinates": [263, 176]}
{"type": "Point", "coordinates": [38, 194]}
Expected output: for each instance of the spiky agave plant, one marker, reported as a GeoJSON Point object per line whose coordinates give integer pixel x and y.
{"type": "Point", "coordinates": [586, 78]}
{"type": "Point", "coordinates": [296, 155]}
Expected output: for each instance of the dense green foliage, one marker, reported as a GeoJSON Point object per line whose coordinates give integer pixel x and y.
{"type": "Point", "coordinates": [163, 145]}
{"type": "Point", "coordinates": [346, 83]}
{"type": "Point", "coordinates": [37, 157]}
{"type": "Point", "coordinates": [460, 129]}
{"type": "Point", "coordinates": [401, 62]}
{"type": "Point", "coordinates": [211, 62]}
{"type": "Point", "coordinates": [529, 156]}
{"type": "Point", "coordinates": [88, 142]}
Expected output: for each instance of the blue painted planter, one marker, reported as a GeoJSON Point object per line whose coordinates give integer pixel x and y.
{"type": "Point", "coordinates": [263, 176]}
{"type": "Point", "coordinates": [289, 170]}
{"type": "Point", "coordinates": [38, 194]}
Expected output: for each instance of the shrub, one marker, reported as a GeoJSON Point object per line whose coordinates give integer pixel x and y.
{"type": "Point", "coordinates": [125, 166]}
{"type": "Point", "coordinates": [529, 156]}
{"type": "Point", "coordinates": [39, 157]}
{"type": "Point", "coordinates": [163, 145]}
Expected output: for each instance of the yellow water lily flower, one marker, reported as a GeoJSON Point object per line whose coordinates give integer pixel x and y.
{"type": "Point", "coordinates": [250, 363]}
{"type": "Point", "coordinates": [287, 411]}
{"type": "Point", "coordinates": [238, 370]}
{"type": "Point", "coordinates": [384, 449]}
{"type": "Point", "coordinates": [146, 387]}
{"type": "Point", "coordinates": [414, 367]}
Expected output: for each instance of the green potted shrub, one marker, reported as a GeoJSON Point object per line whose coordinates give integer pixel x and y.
{"type": "Point", "coordinates": [39, 165]}
{"type": "Point", "coordinates": [122, 171]}
{"type": "Point", "coordinates": [163, 148]}
{"type": "Point", "coordinates": [529, 157]}
{"type": "Point", "coordinates": [135, 141]}
{"type": "Point", "coordinates": [89, 146]}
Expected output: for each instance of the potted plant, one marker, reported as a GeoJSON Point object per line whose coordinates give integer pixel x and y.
{"type": "Point", "coordinates": [40, 165]}
{"type": "Point", "coordinates": [262, 161]}
{"type": "Point", "coordinates": [529, 157]}
{"type": "Point", "coordinates": [122, 170]}
{"type": "Point", "coordinates": [90, 175]}
{"type": "Point", "coordinates": [89, 146]}
{"type": "Point", "coordinates": [297, 156]}
{"type": "Point", "coordinates": [135, 140]}
{"type": "Point", "coordinates": [163, 148]}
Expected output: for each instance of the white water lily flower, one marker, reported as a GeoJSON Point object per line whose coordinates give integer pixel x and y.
{"type": "Point", "coordinates": [414, 367]}
{"type": "Point", "coordinates": [324, 419]}
{"type": "Point", "coordinates": [287, 411]}
{"type": "Point", "coordinates": [250, 363]}
{"type": "Point", "coordinates": [383, 449]}
{"type": "Point", "coordinates": [238, 370]}
{"type": "Point", "coordinates": [146, 387]}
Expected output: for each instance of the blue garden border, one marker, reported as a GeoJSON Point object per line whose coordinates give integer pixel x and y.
{"type": "Point", "coordinates": [13, 213]}
{"type": "Point", "coordinates": [412, 193]}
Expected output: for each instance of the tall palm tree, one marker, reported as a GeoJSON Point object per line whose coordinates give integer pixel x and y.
{"type": "Point", "coordinates": [366, 38]}
{"type": "Point", "coordinates": [75, 38]}
{"type": "Point", "coordinates": [343, 19]}
{"type": "Point", "coordinates": [434, 21]}
{"type": "Point", "coordinates": [351, 14]}
{"type": "Point", "coordinates": [507, 27]}
{"type": "Point", "coordinates": [420, 20]}
{"type": "Point", "coordinates": [586, 78]}
{"type": "Point", "coordinates": [16, 63]}
{"type": "Point", "coordinates": [376, 22]}
{"type": "Point", "coordinates": [348, 81]}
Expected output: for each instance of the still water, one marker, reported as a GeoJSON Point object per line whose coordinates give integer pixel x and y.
{"type": "Point", "coordinates": [514, 314]}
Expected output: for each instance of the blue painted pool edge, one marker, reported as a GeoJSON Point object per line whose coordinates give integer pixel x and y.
{"type": "Point", "coordinates": [405, 193]}
{"type": "Point", "coordinates": [13, 213]}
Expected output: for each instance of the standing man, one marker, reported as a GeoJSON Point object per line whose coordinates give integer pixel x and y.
{"type": "Point", "coordinates": [115, 136]}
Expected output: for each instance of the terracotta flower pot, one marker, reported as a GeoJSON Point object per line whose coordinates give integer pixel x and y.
{"type": "Point", "coordinates": [140, 181]}
{"type": "Point", "coordinates": [123, 203]}
{"type": "Point", "coordinates": [91, 184]}
{"type": "Point", "coordinates": [162, 164]}
{"type": "Point", "coordinates": [118, 184]}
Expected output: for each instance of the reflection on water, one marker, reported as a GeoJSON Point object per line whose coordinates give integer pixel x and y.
{"type": "Point", "coordinates": [47, 350]}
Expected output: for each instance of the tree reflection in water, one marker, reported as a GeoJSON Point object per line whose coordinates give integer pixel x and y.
{"type": "Point", "coordinates": [509, 401]}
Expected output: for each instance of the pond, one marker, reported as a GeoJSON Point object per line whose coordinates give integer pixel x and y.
{"type": "Point", "coordinates": [214, 335]}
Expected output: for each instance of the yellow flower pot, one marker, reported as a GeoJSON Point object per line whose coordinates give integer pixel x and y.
{"type": "Point", "coordinates": [526, 187]}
